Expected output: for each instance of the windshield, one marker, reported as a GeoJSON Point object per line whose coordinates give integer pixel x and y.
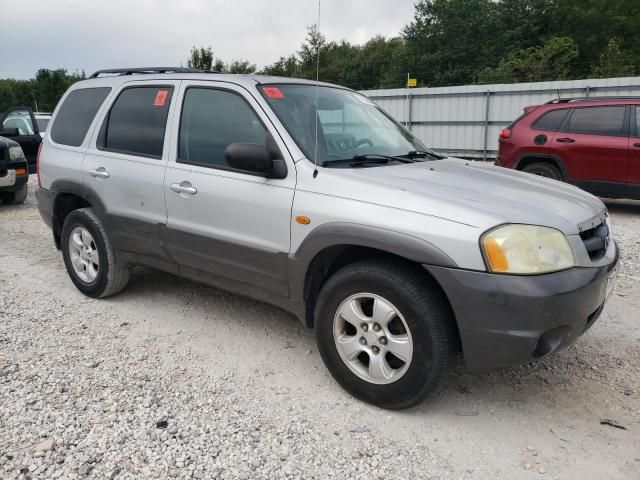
{"type": "Point", "coordinates": [349, 124]}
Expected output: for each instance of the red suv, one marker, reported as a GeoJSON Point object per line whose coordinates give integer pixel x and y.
{"type": "Point", "coordinates": [593, 143]}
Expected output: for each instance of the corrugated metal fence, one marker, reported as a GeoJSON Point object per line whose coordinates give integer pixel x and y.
{"type": "Point", "coordinates": [465, 121]}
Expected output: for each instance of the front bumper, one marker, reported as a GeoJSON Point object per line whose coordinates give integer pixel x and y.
{"type": "Point", "coordinates": [505, 320]}
{"type": "Point", "coordinates": [10, 182]}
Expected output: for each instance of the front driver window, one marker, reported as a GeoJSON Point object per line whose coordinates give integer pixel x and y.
{"type": "Point", "coordinates": [211, 120]}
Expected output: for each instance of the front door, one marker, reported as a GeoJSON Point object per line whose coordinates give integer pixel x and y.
{"type": "Point", "coordinates": [593, 143]}
{"type": "Point", "coordinates": [220, 221]}
{"type": "Point", "coordinates": [28, 136]}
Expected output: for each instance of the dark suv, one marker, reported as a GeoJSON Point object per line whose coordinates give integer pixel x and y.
{"type": "Point", "coordinates": [593, 143]}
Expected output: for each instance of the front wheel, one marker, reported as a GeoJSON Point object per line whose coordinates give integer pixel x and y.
{"type": "Point", "coordinates": [384, 331]}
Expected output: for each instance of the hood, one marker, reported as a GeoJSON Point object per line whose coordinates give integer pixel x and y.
{"type": "Point", "coordinates": [473, 193]}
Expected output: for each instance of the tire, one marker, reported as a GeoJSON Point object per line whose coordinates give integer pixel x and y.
{"type": "Point", "coordinates": [106, 276]}
{"type": "Point", "coordinates": [544, 169]}
{"type": "Point", "coordinates": [14, 198]}
{"type": "Point", "coordinates": [422, 311]}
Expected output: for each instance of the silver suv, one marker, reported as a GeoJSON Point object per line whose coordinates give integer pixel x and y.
{"type": "Point", "coordinates": [312, 198]}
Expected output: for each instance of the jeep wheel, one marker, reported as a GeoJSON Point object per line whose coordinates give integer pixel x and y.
{"type": "Point", "coordinates": [90, 260]}
{"type": "Point", "coordinates": [543, 169]}
{"type": "Point", "coordinates": [384, 332]}
{"type": "Point", "coordinates": [14, 198]}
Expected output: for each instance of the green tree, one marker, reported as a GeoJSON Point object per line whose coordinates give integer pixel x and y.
{"type": "Point", "coordinates": [528, 23]}
{"type": "Point", "coordinates": [614, 63]}
{"type": "Point", "coordinates": [592, 23]}
{"type": "Point", "coordinates": [449, 41]}
{"type": "Point", "coordinates": [201, 58]}
{"type": "Point", "coordinates": [240, 66]}
{"type": "Point", "coordinates": [380, 63]}
{"type": "Point", "coordinates": [40, 93]}
{"type": "Point", "coordinates": [551, 61]}
{"type": "Point", "coordinates": [219, 66]}
{"type": "Point", "coordinates": [283, 67]}
{"type": "Point", "coordinates": [308, 53]}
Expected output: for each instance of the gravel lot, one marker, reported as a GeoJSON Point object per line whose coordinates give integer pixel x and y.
{"type": "Point", "coordinates": [174, 379]}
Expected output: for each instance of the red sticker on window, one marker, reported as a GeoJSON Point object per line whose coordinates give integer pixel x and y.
{"type": "Point", "coordinates": [273, 92]}
{"type": "Point", "coordinates": [161, 97]}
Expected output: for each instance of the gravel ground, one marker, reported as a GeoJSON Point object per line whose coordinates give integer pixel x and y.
{"type": "Point", "coordinates": [174, 379]}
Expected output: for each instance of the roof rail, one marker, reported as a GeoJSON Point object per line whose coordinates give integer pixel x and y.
{"type": "Point", "coordinates": [131, 71]}
{"type": "Point", "coordinates": [587, 99]}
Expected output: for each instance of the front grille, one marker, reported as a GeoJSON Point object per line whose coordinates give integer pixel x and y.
{"type": "Point", "coordinates": [596, 240]}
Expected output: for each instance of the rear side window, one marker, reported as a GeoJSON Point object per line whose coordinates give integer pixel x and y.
{"type": "Point", "coordinates": [551, 120]}
{"type": "Point", "coordinates": [137, 121]}
{"type": "Point", "coordinates": [597, 120]}
{"type": "Point", "coordinates": [211, 120]}
{"type": "Point", "coordinates": [76, 114]}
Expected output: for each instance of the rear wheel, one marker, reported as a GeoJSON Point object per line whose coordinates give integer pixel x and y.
{"type": "Point", "coordinates": [89, 257]}
{"type": "Point", "coordinates": [544, 169]}
{"type": "Point", "coordinates": [384, 332]}
{"type": "Point", "coordinates": [15, 198]}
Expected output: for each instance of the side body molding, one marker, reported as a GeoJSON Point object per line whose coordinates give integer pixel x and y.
{"type": "Point", "coordinates": [348, 234]}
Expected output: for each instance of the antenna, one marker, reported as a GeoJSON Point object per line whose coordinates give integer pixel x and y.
{"type": "Point", "coordinates": [315, 154]}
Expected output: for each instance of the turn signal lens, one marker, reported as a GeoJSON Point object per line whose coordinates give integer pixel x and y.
{"type": "Point", "coordinates": [495, 256]}
{"type": "Point", "coordinates": [526, 250]}
{"type": "Point", "coordinates": [303, 220]}
{"type": "Point", "coordinates": [21, 171]}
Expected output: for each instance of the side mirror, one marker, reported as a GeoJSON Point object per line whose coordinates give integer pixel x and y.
{"type": "Point", "coordinates": [256, 158]}
{"type": "Point", "coordinates": [10, 132]}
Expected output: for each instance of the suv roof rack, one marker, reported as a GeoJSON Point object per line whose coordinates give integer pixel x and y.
{"type": "Point", "coordinates": [586, 99]}
{"type": "Point", "coordinates": [143, 70]}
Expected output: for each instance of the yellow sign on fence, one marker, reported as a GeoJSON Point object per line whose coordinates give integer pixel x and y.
{"type": "Point", "coordinates": [412, 82]}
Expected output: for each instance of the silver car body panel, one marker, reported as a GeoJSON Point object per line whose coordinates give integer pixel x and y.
{"type": "Point", "coordinates": [446, 203]}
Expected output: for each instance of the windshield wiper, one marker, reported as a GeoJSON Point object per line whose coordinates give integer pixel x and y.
{"type": "Point", "coordinates": [423, 154]}
{"type": "Point", "coordinates": [357, 160]}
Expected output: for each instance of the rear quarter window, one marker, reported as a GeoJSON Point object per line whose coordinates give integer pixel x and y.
{"type": "Point", "coordinates": [551, 120]}
{"type": "Point", "coordinates": [76, 114]}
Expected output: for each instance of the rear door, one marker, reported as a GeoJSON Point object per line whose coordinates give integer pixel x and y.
{"type": "Point", "coordinates": [22, 119]}
{"type": "Point", "coordinates": [123, 169]}
{"type": "Point", "coordinates": [221, 221]}
{"type": "Point", "coordinates": [633, 165]}
{"type": "Point", "coordinates": [593, 144]}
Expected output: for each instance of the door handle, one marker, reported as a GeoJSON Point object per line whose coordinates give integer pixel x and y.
{"type": "Point", "coordinates": [183, 187]}
{"type": "Point", "coordinates": [565, 140]}
{"type": "Point", "coordinates": [99, 172]}
{"type": "Point", "coordinates": [636, 145]}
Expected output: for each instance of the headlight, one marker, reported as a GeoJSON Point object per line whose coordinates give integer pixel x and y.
{"type": "Point", "coordinates": [526, 250]}
{"type": "Point", "coordinates": [15, 153]}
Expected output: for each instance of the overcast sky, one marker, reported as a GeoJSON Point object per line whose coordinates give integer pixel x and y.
{"type": "Point", "coordinates": [94, 34]}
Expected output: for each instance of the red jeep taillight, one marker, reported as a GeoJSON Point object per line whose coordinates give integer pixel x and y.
{"type": "Point", "coordinates": [38, 164]}
{"type": "Point", "coordinates": [505, 133]}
